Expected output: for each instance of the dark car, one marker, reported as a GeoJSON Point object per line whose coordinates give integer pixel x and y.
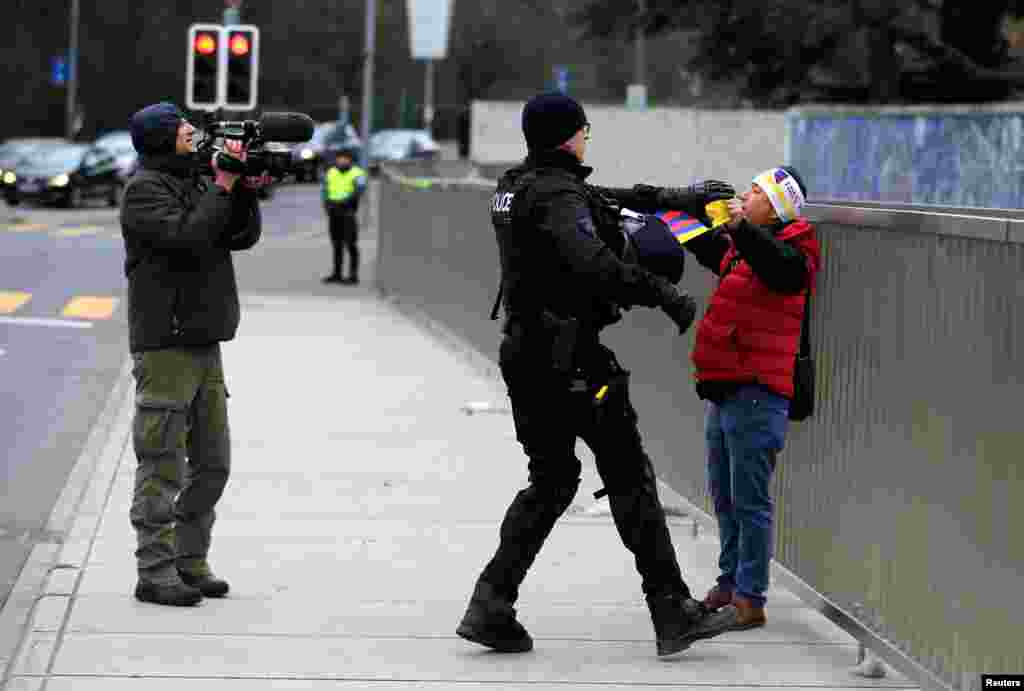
{"type": "Point", "coordinates": [119, 143]}
{"type": "Point", "coordinates": [313, 157]}
{"type": "Point", "coordinates": [12, 151]}
{"type": "Point", "coordinates": [67, 175]}
{"type": "Point", "coordinates": [402, 145]}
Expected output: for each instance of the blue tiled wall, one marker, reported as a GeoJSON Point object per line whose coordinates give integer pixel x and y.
{"type": "Point", "coordinates": [948, 158]}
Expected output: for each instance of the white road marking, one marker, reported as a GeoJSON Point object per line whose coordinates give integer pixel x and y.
{"type": "Point", "coordinates": [32, 321]}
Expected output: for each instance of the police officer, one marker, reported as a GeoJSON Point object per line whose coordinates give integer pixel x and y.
{"type": "Point", "coordinates": [562, 281]}
{"type": "Point", "coordinates": [342, 188]}
{"type": "Point", "coordinates": [179, 233]}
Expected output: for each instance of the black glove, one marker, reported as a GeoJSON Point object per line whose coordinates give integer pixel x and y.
{"type": "Point", "coordinates": [696, 195]}
{"type": "Point", "coordinates": [682, 309]}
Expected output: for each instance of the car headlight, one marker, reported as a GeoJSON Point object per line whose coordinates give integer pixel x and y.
{"type": "Point", "coordinates": [61, 180]}
{"type": "Point", "coordinates": [10, 178]}
{"type": "Point", "coordinates": [307, 154]}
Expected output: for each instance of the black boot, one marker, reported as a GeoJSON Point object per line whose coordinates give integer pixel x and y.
{"type": "Point", "coordinates": [207, 584]}
{"type": "Point", "coordinates": [679, 621]}
{"type": "Point", "coordinates": [490, 620]}
{"type": "Point", "coordinates": [175, 594]}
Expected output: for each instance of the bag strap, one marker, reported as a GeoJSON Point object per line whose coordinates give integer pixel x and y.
{"type": "Point", "coordinates": [805, 327]}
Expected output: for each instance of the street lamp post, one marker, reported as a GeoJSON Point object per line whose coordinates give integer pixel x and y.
{"type": "Point", "coordinates": [70, 105]}
{"type": "Point", "coordinates": [371, 39]}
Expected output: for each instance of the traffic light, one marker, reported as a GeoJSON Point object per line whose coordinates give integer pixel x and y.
{"type": "Point", "coordinates": [243, 64]}
{"type": "Point", "coordinates": [202, 77]}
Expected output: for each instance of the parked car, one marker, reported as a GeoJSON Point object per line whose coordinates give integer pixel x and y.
{"type": "Point", "coordinates": [308, 158]}
{"type": "Point", "coordinates": [67, 175]}
{"type": "Point", "coordinates": [402, 145]}
{"type": "Point", "coordinates": [342, 136]}
{"type": "Point", "coordinates": [12, 151]}
{"type": "Point", "coordinates": [119, 143]}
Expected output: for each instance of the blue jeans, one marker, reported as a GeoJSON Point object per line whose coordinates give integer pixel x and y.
{"type": "Point", "coordinates": [744, 435]}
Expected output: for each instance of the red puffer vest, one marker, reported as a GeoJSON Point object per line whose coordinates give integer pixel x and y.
{"type": "Point", "coordinates": [749, 332]}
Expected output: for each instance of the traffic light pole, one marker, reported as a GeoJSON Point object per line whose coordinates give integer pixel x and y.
{"type": "Point", "coordinates": [72, 92]}
{"type": "Point", "coordinates": [371, 40]}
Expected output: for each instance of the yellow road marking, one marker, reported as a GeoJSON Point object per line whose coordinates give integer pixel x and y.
{"type": "Point", "coordinates": [12, 300]}
{"type": "Point", "coordinates": [25, 227]}
{"type": "Point", "coordinates": [78, 231]}
{"type": "Point", "coordinates": [90, 307]}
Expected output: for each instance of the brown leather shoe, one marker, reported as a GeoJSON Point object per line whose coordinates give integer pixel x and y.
{"type": "Point", "coordinates": [717, 598]}
{"type": "Point", "coordinates": [749, 615]}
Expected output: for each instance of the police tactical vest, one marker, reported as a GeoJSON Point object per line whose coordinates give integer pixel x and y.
{"type": "Point", "coordinates": [533, 278]}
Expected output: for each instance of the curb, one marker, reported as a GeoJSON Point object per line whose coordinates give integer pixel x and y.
{"type": "Point", "coordinates": [71, 527]}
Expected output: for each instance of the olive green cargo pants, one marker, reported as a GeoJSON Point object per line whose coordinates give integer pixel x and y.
{"type": "Point", "coordinates": [183, 447]}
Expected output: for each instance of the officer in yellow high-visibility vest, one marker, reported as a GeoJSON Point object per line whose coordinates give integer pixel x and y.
{"type": "Point", "coordinates": [342, 187]}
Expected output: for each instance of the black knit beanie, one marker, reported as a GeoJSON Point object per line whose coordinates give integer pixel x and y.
{"type": "Point", "coordinates": [550, 120]}
{"type": "Point", "coordinates": [154, 129]}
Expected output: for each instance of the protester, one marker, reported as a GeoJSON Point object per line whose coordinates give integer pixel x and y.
{"type": "Point", "coordinates": [767, 257]}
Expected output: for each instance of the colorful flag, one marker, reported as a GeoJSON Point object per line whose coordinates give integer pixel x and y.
{"type": "Point", "coordinates": [682, 226]}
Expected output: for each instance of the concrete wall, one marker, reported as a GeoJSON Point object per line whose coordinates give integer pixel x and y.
{"type": "Point", "coordinates": [660, 146]}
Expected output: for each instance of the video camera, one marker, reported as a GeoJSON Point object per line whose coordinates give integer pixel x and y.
{"type": "Point", "coordinates": [266, 141]}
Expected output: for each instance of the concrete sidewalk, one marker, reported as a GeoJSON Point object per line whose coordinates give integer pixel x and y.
{"type": "Point", "coordinates": [363, 503]}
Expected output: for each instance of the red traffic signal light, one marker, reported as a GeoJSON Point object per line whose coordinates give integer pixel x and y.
{"type": "Point", "coordinates": [202, 87]}
{"type": "Point", "coordinates": [239, 45]}
{"type": "Point", "coordinates": [206, 44]}
{"type": "Point", "coordinates": [242, 67]}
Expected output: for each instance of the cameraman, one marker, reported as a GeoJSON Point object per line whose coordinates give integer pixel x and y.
{"type": "Point", "coordinates": [179, 231]}
{"type": "Point", "coordinates": [562, 282]}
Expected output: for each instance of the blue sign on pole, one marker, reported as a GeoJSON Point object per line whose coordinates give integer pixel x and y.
{"type": "Point", "coordinates": [562, 78]}
{"type": "Point", "coordinates": [58, 70]}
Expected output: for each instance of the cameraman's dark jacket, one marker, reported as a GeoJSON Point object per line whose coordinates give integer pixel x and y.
{"type": "Point", "coordinates": [179, 232]}
{"type": "Point", "coordinates": [559, 243]}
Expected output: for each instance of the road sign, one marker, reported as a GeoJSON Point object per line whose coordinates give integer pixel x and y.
{"type": "Point", "coordinates": [562, 78]}
{"type": "Point", "coordinates": [58, 70]}
{"type": "Point", "coordinates": [428, 28]}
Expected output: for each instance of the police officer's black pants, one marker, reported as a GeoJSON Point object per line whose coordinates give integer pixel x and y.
{"type": "Point", "coordinates": [548, 419]}
{"type": "Point", "coordinates": [344, 231]}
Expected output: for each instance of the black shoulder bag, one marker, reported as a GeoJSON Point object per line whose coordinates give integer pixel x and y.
{"type": "Point", "coordinates": [802, 405]}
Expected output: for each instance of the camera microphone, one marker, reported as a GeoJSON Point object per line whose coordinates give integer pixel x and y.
{"type": "Point", "coordinates": [286, 127]}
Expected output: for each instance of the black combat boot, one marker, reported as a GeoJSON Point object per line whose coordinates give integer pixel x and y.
{"type": "Point", "coordinates": [207, 583]}
{"type": "Point", "coordinates": [490, 620]}
{"type": "Point", "coordinates": [679, 621]}
{"type": "Point", "coordinates": [174, 594]}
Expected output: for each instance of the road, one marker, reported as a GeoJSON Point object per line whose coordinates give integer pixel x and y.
{"type": "Point", "coordinates": [63, 337]}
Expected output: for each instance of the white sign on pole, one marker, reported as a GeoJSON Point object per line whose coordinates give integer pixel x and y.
{"type": "Point", "coordinates": [428, 28]}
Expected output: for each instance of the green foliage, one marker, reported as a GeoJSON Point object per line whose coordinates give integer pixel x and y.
{"type": "Point", "coordinates": [783, 51]}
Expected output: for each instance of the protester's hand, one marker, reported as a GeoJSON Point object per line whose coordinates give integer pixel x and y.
{"type": "Point", "coordinates": [223, 178]}
{"type": "Point", "coordinates": [736, 214]}
{"type": "Point", "coordinates": [682, 309]}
